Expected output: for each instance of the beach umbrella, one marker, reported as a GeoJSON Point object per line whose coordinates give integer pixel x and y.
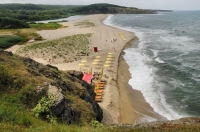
{"type": "Point", "coordinates": [108, 62]}
{"type": "Point", "coordinates": [83, 61]}
{"type": "Point", "coordinates": [110, 53]}
{"type": "Point", "coordinates": [90, 70]}
{"type": "Point", "coordinates": [96, 60]}
{"type": "Point", "coordinates": [106, 66]}
{"type": "Point", "coordinates": [101, 73]}
{"type": "Point", "coordinates": [109, 56]}
{"type": "Point", "coordinates": [81, 64]}
{"type": "Point", "coordinates": [109, 59]}
{"type": "Point", "coordinates": [87, 77]}
{"type": "Point", "coordinates": [95, 63]}
{"type": "Point", "coordinates": [98, 57]}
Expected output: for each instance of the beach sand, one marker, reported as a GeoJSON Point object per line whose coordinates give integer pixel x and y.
{"type": "Point", "coordinates": [120, 104]}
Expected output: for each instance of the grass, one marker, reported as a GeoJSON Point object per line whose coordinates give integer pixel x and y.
{"type": "Point", "coordinates": [63, 50]}
{"type": "Point", "coordinates": [18, 98]}
{"type": "Point", "coordinates": [48, 26]}
{"type": "Point", "coordinates": [7, 41]}
{"type": "Point", "coordinates": [85, 24]}
{"type": "Point", "coordinates": [11, 37]}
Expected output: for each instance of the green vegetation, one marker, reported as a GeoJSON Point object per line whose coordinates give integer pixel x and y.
{"type": "Point", "coordinates": [47, 26]}
{"type": "Point", "coordinates": [85, 24]}
{"type": "Point", "coordinates": [21, 36]}
{"type": "Point", "coordinates": [10, 23]}
{"type": "Point", "coordinates": [63, 50]}
{"type": "Point", "coordinates": [7, 41]}
{"type": "Point", "coordinates": [109, 9]}
{"type": "Point", "coordinates": [20, 103]}
{"type": "Point", "coordinates": [31, 12]}
{"type": "Point", "coordinates": [43, 110]}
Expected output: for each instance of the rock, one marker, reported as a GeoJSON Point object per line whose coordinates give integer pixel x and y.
{"type": "Point", "coordinates": [52, 67]}
{"type": "Point", "coordinates": [6, 52]}
{"type": "Point", "coordinates": [62, 110]}
{"type": "Point", "coordinates": [77, 74]}
{"type": "Point", "coordinates": [67, 82]}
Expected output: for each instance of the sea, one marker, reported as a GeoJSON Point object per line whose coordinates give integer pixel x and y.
{"type": "Point", "coordinates": [166, 65]}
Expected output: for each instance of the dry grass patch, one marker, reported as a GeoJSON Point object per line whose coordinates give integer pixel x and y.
{"type": "Point", "coordinates": [85, 24]}
{"type": "Point", "coordinates": [63, 50]}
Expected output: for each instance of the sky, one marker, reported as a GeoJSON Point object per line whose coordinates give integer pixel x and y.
{"type": "Point", "coordinates": [142, 4]}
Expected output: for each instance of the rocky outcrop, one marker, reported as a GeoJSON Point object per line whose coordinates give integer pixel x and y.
{"type": "Point", "coordinates": [62, 110]}
{"type": "Point", "coordinates": [67, 82]}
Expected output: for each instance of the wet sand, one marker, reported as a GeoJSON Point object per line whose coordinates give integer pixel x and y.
{"type": "Point", "coordinates": [133, 107]}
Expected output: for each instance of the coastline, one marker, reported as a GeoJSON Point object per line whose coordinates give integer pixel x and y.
{"type": "Point", "coordinates": [117, 100]}
{"type": "Point", "coordinates": [133, 107]}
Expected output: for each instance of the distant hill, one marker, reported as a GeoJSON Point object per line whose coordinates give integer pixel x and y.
{"type": "Point", "coordinates": [32, 12]}
{"type": "Point", "coordinates": [109, 9]}
{"type": "Point", "coordinates": [20, 7]}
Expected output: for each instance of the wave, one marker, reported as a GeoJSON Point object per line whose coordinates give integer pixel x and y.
{"type": "Point", "coordinates": [143, 77]}
{"type": "Point", "coordinates": [159, 60]}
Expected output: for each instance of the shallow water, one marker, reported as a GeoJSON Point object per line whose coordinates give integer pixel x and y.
{"type": "Point", "coordinates": [71, 18]}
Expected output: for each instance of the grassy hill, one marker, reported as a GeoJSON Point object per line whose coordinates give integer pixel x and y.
{"type": "Point", "coordinates": [27, 105]}
{"type": "Point", "coordinates": [25, 101]}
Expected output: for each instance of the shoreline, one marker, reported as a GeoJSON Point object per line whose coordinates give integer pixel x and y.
{"type": "Point", "coordinates": [133, 107]}
{"type": "Point", "coordinates": [102, 37]}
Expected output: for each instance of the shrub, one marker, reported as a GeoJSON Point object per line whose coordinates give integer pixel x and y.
{"type": "Point", "coordinates": [7, 41]}
{"type": "Point", "coordinates": [43, 108]}
{"type": "Point", "coordinates": [5, 77]}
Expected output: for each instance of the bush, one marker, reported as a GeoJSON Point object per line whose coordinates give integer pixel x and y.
{"type": "Point", "coordinates": [38, 38]}
{"type": "Point", "coordinates": [7, 41]}
{"type": "Point", "coordinates": [43, 108]}
{"type": "Point", "coordinates": [5, 77]}
{"type": "Point", "coordinates": [10, 23]}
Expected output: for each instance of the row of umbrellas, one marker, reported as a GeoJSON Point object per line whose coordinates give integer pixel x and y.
{"type": "Point", "coordinates": [97, 61]}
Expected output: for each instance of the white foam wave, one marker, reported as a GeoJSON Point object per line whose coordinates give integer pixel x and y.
{"type": "Point", "coordinates": [159, 60]}
{"type": "Point", "coordinates": [143, 80]}
{"type": "Point", "coordinates": [155, 53]}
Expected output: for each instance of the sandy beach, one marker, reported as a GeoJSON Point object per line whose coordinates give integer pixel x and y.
{"type": "Point", "coordinates": [120, 104]}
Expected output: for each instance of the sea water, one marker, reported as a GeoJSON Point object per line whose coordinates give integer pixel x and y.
{"type": "Point", "coordinates": [166, 65]}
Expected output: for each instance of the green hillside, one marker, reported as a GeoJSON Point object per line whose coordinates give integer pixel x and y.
{"type": "Point", "coordinates": [27, 106]}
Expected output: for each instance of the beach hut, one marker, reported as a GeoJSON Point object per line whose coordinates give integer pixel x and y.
{"type": "Point", "coordinates": [95, 49]}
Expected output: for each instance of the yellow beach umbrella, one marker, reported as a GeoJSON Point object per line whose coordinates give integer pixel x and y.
{"type": "Point", "coordinates": [108, 62]}
{"type": "Point", "coordinates": [96, 60]}
{"type": "Point", "coordinates": [109, 56]}
{"type": "Point", "coordinates": [90, 70]}
{"type": "Point", "coordinates": [98, 57]}
{"type": "Point", "coordinates": [81, 64]}
{"type": "Point", "coordinates": [107, 66]}
{"type": "Point", "coordinates": [110, 53]}
{"type": "Point", "coordinates": [95, 63]}
{"type": "Point", "coordinates": [101, 73]}
{"type": "Point", "coordinates": [83, 61]}
{"type": "Point", "coordinates": [109, 59]}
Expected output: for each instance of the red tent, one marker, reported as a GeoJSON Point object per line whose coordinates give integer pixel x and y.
{"type": "Point", "coordinates": [87, 77]}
